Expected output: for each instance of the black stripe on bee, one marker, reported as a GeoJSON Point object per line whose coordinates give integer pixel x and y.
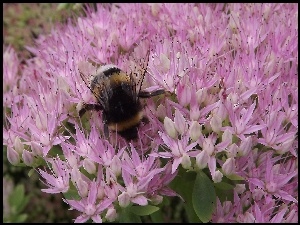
{"type": "Point", "coordinates": [111, 71]}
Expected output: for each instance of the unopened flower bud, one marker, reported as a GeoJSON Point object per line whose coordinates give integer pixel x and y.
{"type": "Point", "coordinates": [116, 166]}
{"type": "Point", "coordinates": [227, 206]}
{"type": "Point", "coordinates": [124, 199]}
{"type": "Point", "coordinates": [258, 194]}
{"type": "Point", "coordinates": [27, 157]}
{"type": "Point", "coordinates": [202, 159]}
{"type": "Point", "coordinates": [232, 150]}
{"type": "Point", "coordinates": [165, 62]}
{"type": "Point", "coordinates": [13, 156]}
{"type": "Point", "coordinates": [75, 175]}
{"type": "Point", "coordinates": [161, 111]}
{"type": "Point", "coordinates": [245, 146]}
{"type": "Point", "coordinates": [195, 131]}
{"type": "Point", "coordinates": [100, 192]}
{"type": "Point", "coordinates": [271, 187]}
{"type": "Point", "coordinates": [194, 111]}
{"type": "Point", "coordinates": [41, 122]}
{"type": "Point", "coordinates": [179, 122]}
{"type": "Point", "coordinates": [240, 218]}
{"type": "Point", "coordinates": [79, 106]}
{"type": "Point", "coordinates": [36, 149]}
{"type": "Point", "coordinates": [221, 111]}
{"type": "Point", "coordinates": [184, 95]}
{"type": "Point", "coordinates": [229, 166]}
{"type": "Point", "coordinates": [45, 138]}
{"type": "Point", "coordinates": [112, 191]}
{"type": "Point", "coordinates": [111, 214]}
{"type": "Point", "coordinates": [233, 97]}
{"type": "Point", "coordinates": [156, 199]}
{"type": "Point", "coordinates": [217, 177]}
{"type": "Point", "coordinates": [18, 145]}
{"type": "Point", "coordinates": [83, 188]}
{"type": "Point", "coordinates": [201, 95]}
{"type": "Point", "coordinates": [186, 161]}
{"type": "Point", "coordinates": [89, 166]}
{"type": "Point", "coordinates": [227, 136]}
{"type": "Point", "coordinates": [170, 127]}
{"type": "Point", "coordinates": [240, 188]}
{"type": "Point", "coordinates": [208, 146]}
{"type": "Point", "coordinates": [216, 123]}
{"type": "Point", "coordinates": [285, 146]}
{"type": "Point", "coordinates": [72, 160]}
{"type": "Point", "coordinates": [249, 218]}
{"type": "Point", "coordinates": [155, 8]}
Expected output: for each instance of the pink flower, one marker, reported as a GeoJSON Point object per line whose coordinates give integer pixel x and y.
{"type": "Point", "coordinates": [274, 135]}
{"type": "Point", "coordinates": [178, 150]}
{"type": "Point", "coordinates": [273, 181]}
{"type": "Point", "coordinates": [240, 119]}
{"type": "Point", "coordinates": [224, 212]}
{"type": "Point", "coordinates": [11, 65]}
{"type": "Point", "coordinates": [137, 175]}
{"type": "Point", "coordinates": [58, 181]}
{"type": "Point", "coordinates": [88, 206]}
{"type": "Point", "coordinates": [158, 185]}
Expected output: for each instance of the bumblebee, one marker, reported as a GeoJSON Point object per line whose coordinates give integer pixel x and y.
{"type": "Point", "coordinates": [118, 98]}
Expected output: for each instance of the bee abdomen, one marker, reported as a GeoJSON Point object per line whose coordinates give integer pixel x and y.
{"type": "Point", "coordinates": [126, 125]}
{"type": "Point", "coordinates": [129, 134]}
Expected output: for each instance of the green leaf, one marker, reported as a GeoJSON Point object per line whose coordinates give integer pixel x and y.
{"type": "Point", "coordinates": [189, 208]}
{"type": "Point", "coordinates": [20, 218]}
{"type": "Point", "coordinates": [126, 216]}
{"type": "Point", "coordinates": [22, 205]}
{"type": "Point", "coordinates": [56, 150]}
{"type": "Point", "coordinates": [157, 217]}
{"type": "Point", "coordinates": [143, 210]}
{"type": "Point", "coordinates": [224, 186]}
{"type": "Point", "coordinates": [72, 193]}
{"type": "Point", "coordinates": [235, 177]}
{"type": "Point", "coordinates": [17, 196]}
{"type": "Point", "coordinates": [204, 197]}
{"type": "Point", "coordinates": [62, 6]}
{"type": "Point", "coordinates": [183, 184]}
{"type": "Point", "coordinates": [31, 172]}
{"type": "Point", "coordinates": [224, 191]}
{"type": "Point", "coordinates": [21, 165]}
{"type": "Point", "coordinates": [77, 6]}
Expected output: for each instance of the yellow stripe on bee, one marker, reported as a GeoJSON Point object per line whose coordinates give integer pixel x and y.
{"type": "Point", "coordinates": [115, 79]}
{"type": "Point", "coordinates": [124, 125]}
{"type": "Point", "coordinates": [118, 78]}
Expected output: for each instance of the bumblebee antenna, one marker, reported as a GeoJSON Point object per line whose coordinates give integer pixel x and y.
{"type": "Point", "coordinates": [145, 70]}
{"type": "Point", "coordinates": [94, 93]}
{"type": "Point", "coordinates": [83, 78]}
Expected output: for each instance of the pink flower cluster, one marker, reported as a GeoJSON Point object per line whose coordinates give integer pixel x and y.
{"type": "Point", "coordinates": [231, 76]}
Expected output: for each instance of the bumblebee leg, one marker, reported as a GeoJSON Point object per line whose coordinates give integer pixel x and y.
{"type": "Point", "coordinates": [87, 107]}
{"type": "Point", "coordinates": [145, 120]}
{"type": "Point", "coordinates": [148, 94]}
{"type": "Point", "coordinates": [105, 130]}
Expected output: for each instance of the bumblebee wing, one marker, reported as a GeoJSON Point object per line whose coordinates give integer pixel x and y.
{"type": "Point", "coordinates": [88, 73]}
{"type": "Point", "coordinates": [150, 92]}
{"type": "Point", "coordinates": [144, 66]}
{"type": "Point", "coordinates": [133, 86]}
